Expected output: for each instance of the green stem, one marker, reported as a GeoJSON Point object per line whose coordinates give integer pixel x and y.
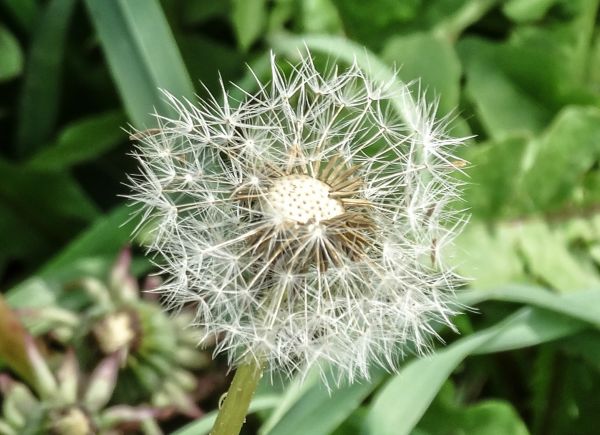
{"type": "Point", "coordinates": [232, 414]}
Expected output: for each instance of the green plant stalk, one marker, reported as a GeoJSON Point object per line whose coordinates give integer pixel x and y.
{"type": "Point", "coordinates": [232, 415]}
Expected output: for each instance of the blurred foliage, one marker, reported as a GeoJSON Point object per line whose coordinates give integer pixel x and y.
{"type": "Point", "coordinates": [521, 76]}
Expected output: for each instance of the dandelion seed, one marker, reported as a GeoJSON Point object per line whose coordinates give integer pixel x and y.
{"type": "Point", "coordinates": [304, 222]}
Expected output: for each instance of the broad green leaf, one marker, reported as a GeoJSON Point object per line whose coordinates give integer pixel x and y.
{"type": "Point", "coordinates": [203, 425]}
{"type": "Point", "coordinates": [438, 71]}
{"type": "Point", "coordinates": [488, 255]}
{"type": "Point", "coordinates": [320, 16]}
{"type": "Point", "coordinates": [142, 56]}
{"type": "Point", "coordinates": [249, 17]}
{"type": "Point", "coordinates": [82, 141]}
{"type": "Point", "coordinates": [11, 58]}
{"type": "Point", "coordinates": [502, 105]}
{"type": "Point", "coordinates": [494, 172]}
{"type": "Point", "coordinates": [491, 417]}
{"type": "Point", "coordinates": [24, 11]}
{"type": "Point", "coordinates": [557, 160]}
{"type": "Point", "coordinates": [399, 405]}
{"type": "Point", "coordinates": [372, 23]}
{"type": "Point", "coordinates": [547, 257]}
{"type": "Point", "coordinates": [488, 417]}
{"type": "Point", "coordinates": [526, 10]}
{"type": "Point", "coordinates": [39, 103]}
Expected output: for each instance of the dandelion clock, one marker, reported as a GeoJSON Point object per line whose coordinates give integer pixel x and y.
{"type": "Point", "coordinates": [303, 222]}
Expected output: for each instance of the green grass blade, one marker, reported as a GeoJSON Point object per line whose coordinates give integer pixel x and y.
{"type": "Point", "coordinates": [82, 141]}
{"type": "Point", "coordinates": [320, 412]}
{"type": "Point", "coordinates": [399, 406]}
{"type": "Point", "coordinates": [142, 55]}
{"type": "Point", "coordinates": [576, 305]}
{"type": "Point", "coordinates": [39, 102]}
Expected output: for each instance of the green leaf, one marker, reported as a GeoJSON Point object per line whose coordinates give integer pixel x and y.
{"type": "Point", "coordinates": [488, 256]}
{"type": "Point", "coordinates": [142, 56]}
{"type": "Point", "coordinates": [11, 58]}
{"type": "Point", "coordinates": [372, 23]}
{"type": "Point", "coordinates": [104, 238]}
{"type": "Point", "coordinates": [548, 258]}
{"type": "Point", "coordinates": [24, 11]}
{"type": "Point", "coordinates": [580, 305]}
{"type": "Point", "coordinates": [491, 417]}
{"type": "Point", "coordinates": [82, 141]}
{"type": "Point", "coordinates": [438, 72]}
{"type": "Point", "coordinates": [248, 18]}
{"type": "Point", "coordinates": [399, 405]}
{"type": "Point", "coordinates": [319, 411]}
{"type": "Point", "coordinates": [558, 160]}
{"type": "Point", "coordinates": [320, 16]}
{"type": "Point", "coordinates": [503, 106]}
{"type": "Point", "coordinates": [51, 202]}
{"type": "Point", "coordinates": [38, 110]}
{"type": "Point", "coordinates": [494, 172]}
{"type": "Point", "coordinates": [526, 10]}
{"type": "Point", "coordinates": [92, 250]}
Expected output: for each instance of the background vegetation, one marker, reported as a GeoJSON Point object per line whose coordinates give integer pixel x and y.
{"type": "Point", "coordinates": [524, 78]}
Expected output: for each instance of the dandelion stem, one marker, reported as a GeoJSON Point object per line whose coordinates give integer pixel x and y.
{"type": "Point", "coordinates": [232, 414]}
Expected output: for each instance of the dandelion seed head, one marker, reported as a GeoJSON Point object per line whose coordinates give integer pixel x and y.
{"type": "Point", "coordinates": [305, 222]}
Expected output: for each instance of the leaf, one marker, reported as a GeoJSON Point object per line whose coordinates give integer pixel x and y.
{"type": "Point", "coordinates": [438, 72]}
{"type": "Point", "coordinates": [142, 56]}
{"type": "Point", "coordinates": [104, 238]}
{"type": "Point", "coordinates": [11, 58]}
{"type": "Point", "coordinates": [39, 103]}
{"type": "Point", "coordinates": [319, 411]}
{"type": "Point", "coordinates": [92, 250]}
{"type": "Point", "coordinates": [248, 18]}
{"type": "Point", "coordinates": [503, 106]}
{"type": "Point", "coordinates": [373, 24]}
{"type": "Point", "coordinates": [488, 256]}
{"type": "Point", "coordinates": [203, 425]}
{"type": "Point", "coordinates": [320, 16]}
{"type": "Point", "coordinates": [20, 241]}
{"type": "Point", "coordinates": [558, 160]}
{"type": "Point", "coordinates": [490, 418]}
{"type": "Point", "coordinates": [24, 11]}
{"type": "Point", "coordinates": [50, 202]}
{"type": "Point", "coordinates": [82, 141]}
{"type": "Point", "coordinates": [578, 305]}
{"type": "Point", "coordinates": [399, 405]}
{"type": "Point", "coordinates": [526, 10]}
{"type": "Point", "coordinates": [548, 258]}
{"type": "Point", "coordinates": [493, 176]}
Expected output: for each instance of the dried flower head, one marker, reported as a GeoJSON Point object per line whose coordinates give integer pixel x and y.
{"type": "Point", "coordinates": [305, 221]}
